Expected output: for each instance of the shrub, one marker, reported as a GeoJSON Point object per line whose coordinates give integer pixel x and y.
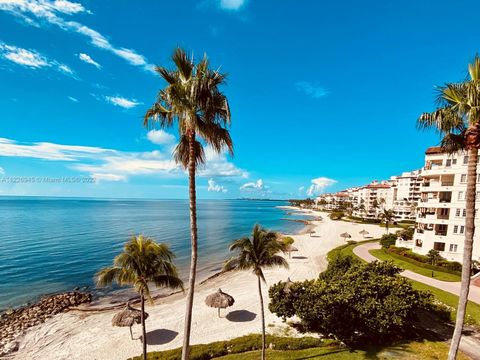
{"type": "Point", "coordinates": [236, 346]}
{"type": "Point", "coordinates": [406, 234]}
{"type": "Point", "coordinates": [451, 267]}
{"type": "Point", "coordinates": [288, 240]}
{"type": "Point", "coordinates": [388, 240]}
{"type": "Point", "coordinates": [336, 215]}
{"type": "Point", "coordinates": [358, 303]}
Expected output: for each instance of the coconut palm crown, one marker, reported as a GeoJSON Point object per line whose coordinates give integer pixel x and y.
{"type": "Point", "coordinates": [457, 120]}
{"type": "Point", "coordinates": [257, 252]}
{"type": "Point", "coordinates": [193, 102]}
{"type": "Point", "coordinates": [142, 262]}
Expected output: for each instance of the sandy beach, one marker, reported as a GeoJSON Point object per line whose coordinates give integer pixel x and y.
{"type": "Point", "coordinates": [90, 335]}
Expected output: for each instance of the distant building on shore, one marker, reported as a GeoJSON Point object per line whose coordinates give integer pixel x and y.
{"type": "Point", "coordinates": [440, 221]}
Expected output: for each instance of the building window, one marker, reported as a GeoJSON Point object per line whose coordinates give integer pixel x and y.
{"type": "Point", "coordinates": [455, 229]}
{"type": "Point", "coordinates": [458, 212]}
{"type": "Point", "coordinates": [465, 160]}
{"type": "Point", "coordinates": [448, 163]}
{"type": "Point", "coordinates": [462, 229]}
{"type": "Point", "coordinates": [453, 247]}
{"type": "Point", "coordinates": [461, 195]}
{"type": "Point", "coordinates": [454, 161]}
{"type": "Point", "coordinates": [439, 246]}
{"type": "Point", "coordinates": [463, 178]}
{"type": "Point", "coordinates": [464, 213]}
{"type": "Point", "coordinates": [418, 243]}
{"type": "Point", "coordinates": [478, 175]}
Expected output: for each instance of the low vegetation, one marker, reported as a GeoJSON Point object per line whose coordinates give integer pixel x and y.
{"type": "Point", "coordinates": [356, 302]}
{"type": "Point", "coordinates": [240, 346]}
{"type": "Point", "coordinates": [416, 350]}
{"type": "Point", "coordinates": [441, 264]}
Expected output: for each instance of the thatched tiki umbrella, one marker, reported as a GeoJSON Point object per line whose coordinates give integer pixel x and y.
{"type": "Point", "coordinates": [289, 249]}
{"type": "Point", "coordinates": [345, 236]}
{"type": "Point", "coordinates": [363, 233]}
{"type": "Point", "coordinates": [219, 300]}
{"type": "Point", "coordinates": [128, 317]}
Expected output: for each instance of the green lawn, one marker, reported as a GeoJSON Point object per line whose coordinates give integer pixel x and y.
{"type": "Point", "coordinates": [439, 275]}
{"type": "Point", "coordinates": [347, 249]}
{"type": "Point", "coordinates": [473, 309]}
{"type": "Point", "coordinates": [413, 350]}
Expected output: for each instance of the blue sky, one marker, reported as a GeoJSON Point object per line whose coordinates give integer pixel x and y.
{"type": "Point", "coordinates": [324, 94]}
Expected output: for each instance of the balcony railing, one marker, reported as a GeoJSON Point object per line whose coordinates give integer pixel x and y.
{"type": "Point", "coordinates": [441, 233]}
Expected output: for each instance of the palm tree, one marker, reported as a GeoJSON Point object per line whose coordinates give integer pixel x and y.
{"type": "Point", "coordinates": [257, 252]}
{"type": "Point", "coordinates": [457, 121]}
{"type": "Point", "coordinates": [387, 216]}
{"type": "Point", "coordinates": [142, 261]}
{"type": "Point", "coordinates": [192, 101]}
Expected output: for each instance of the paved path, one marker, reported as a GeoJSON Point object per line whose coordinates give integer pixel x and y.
{"type": "Point", "coordinates": [362, 251]}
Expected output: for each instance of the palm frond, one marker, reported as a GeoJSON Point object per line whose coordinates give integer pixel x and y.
{"type": "Point", "coordinates": [181, 154]}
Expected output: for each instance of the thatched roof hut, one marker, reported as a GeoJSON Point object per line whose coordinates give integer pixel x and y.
{"type": "Point", "coordinates": [128, 317]}
{"type": "Point", "coordinates": [289, 249]}
{"type": "Point", "coordinates": [364, 232]}
{"type": "Point", "coordinates": [219, 300]}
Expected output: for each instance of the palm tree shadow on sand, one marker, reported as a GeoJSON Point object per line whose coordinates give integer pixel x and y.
{"type": "Point", "coordinates": [160, 336]}
{"type": "Point", "coordinates": [241, 316]}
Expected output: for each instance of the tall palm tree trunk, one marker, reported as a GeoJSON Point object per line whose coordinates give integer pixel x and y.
{"type": "Point", "coordinates": [194, 241]}
{"type": "Point", "coordinates": [262, 312]}
{"type": "Point", "coordinates": [144, 331]}
{"type": "Point", "coordinates": [467, 251]}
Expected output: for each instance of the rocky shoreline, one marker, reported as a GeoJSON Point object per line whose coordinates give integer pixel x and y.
{"type": "Point", "coordinates": [15, 322]}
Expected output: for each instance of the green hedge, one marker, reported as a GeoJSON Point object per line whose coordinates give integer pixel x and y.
{"type": "Point", "coordinates": [238, 345]}
{"type": "Point", "coordinates": [423, 261]}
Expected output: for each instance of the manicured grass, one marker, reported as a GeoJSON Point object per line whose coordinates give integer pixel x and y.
{"type": "Point", "coordinates": [347, 249]}
{"type": "Point", "coordinates": [449, 299]}
{"type": "Point", "coordinates": [439, 275]}
{"type": "Point", "coordinates": [473, 309]}
{"type": "Point", "coordinates": [413, 350]}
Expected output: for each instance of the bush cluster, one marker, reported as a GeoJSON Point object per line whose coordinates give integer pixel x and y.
{"type": "Point", "coordinates": [366, 221]}
{"type": "Point", "coordinates": [358, 303]}
{"type": "Point", "coordinates": [237, 346]}
{"type": "Point", "coordinates": [452, 267]}
{"type": "Point", "coordinates": [336, 215]}
{"type": "Point", "coordinates": [388, 240]}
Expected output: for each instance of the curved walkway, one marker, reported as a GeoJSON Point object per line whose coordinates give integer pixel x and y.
{"type": "Point", "coordinates": [362, 251]}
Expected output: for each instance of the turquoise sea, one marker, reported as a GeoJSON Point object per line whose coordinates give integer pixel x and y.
{"type": "Point", "coordinates": [50, 244]}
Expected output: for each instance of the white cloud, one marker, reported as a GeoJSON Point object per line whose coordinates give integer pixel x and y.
{"type": "Point", "coordinates": [218, 166]}
{"type": "Point", "coordinates": [253, 186]}
{"type": "Point", "coordinates": [319, 184]}
{"type": "Point", "coordinates": [67, 7]}
{"type": "Point", "coordinates": [108, 177]}
{"type": "Point", "coordinates": [301, 188]}
{"type": "Point", "coordinates": [2, 171]}
{"type": "Point", "coordinates": [160, 137]}
{"type": "Point", "coordinates": [86, 58]}
{"type": "Point", "coordinates": [75, 100]}
{"type": "Point", "coordinates": [31, 59]}
{"type": "Point", "coordinates": [232, 4]}
{"type": "Point", "coordinates": [36, 12]}
{"type": "Point", "coordinates": [313, 90]}
{"type": "Point", "coordinates": [122, 102]}
{"type": "Point", "coordinates": [112, 165]}
{"type": "Point", "coordinates": [213, 186]}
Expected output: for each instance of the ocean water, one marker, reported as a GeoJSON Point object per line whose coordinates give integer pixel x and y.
{"type": "Point", "coordinates": [51, 245]}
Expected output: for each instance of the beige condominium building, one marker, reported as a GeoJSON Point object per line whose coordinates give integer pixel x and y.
{"type": "Point", "coordinates": [406, 194]}
{"type": "Point", "coordinates": [440, 221]}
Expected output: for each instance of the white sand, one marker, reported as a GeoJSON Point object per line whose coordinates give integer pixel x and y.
{"type": "Point", "coordinates": [80, 335]}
